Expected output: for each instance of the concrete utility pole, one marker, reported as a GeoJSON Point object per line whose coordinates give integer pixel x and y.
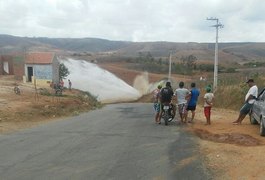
{"type": "Point", "coordinates": [217, 26]}
{"type": "Point", "coordinates": [169, 68]}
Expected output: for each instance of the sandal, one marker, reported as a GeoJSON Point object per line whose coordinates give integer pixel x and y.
{"type": "Point", "coordinates": [236, 123]}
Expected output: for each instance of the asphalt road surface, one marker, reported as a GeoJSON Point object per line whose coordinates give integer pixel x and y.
{"type": "Point", "coordinates": [119, 141]}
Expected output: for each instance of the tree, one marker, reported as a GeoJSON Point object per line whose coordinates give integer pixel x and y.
{"type": "Point", "coordinates": [63, 71]}
{"type": "Point", "coordinates": [188, 64]}
{"type": "Point", "coordinates": [189, 61]}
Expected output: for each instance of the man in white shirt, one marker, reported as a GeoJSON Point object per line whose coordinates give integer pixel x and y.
{"type": "Point", "coordinates": [182, 94]}
{"type": "Point", "coordinates": [249, 101]}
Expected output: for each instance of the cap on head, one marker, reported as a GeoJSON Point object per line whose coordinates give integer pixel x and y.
{"type": "Point", "coordinates": [208, 89]}
{"type": "Point", "coordinates": [181, 84]}
{"type": "Point", "coordinates": [168, 84]}
{"type": "Point", "coordinates": [159, 86]}
{"type": "Point", "coordinates": [250, 81]}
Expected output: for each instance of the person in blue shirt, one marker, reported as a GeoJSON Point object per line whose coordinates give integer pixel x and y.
{"type": "Point", "coordinates": [193, 98]}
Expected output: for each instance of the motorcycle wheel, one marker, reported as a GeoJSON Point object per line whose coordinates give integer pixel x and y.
{"type": "Point", "coordinates": [166, 117]}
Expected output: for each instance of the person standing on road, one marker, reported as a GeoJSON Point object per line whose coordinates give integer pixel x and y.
{"type": "Point", "coordinates": [193, 98]}
{"type": "Point", "coordinates": [182, 95]}
{"type": "Point", "coordinates": [249, 101]}
{"type": "Point", "coordinates": [156, 100]}
{"type": "Point", "coordinates": [208, 103]}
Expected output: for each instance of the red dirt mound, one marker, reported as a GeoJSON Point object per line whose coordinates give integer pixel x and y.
{"type": "Point", "coordinates": [230, 138]}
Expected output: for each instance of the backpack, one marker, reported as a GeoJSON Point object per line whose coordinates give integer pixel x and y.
{"type": "Point", "coordinates": [166, 94]}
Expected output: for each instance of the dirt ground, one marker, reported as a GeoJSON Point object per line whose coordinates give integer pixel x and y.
{"type": "Point", "coordinates": [230, 151]}
{"type": "Point", "coordinates": [33, 107]}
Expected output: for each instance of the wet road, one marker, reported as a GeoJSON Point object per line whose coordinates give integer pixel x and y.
{"type": "Point", "coordinates": [119, 141]}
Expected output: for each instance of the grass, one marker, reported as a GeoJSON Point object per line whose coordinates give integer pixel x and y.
{"type": "Point", "coordinates": [231, 90]}
{"type": "Point", "coordinates": [69, 104]}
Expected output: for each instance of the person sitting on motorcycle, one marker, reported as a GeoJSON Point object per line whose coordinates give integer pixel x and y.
{"type": "Point", "coordinates": [166, 95]}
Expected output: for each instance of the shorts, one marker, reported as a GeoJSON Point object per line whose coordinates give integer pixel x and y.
{"type": "Point", "coordinates": [191, 108]}
{"type": "Point", "coordinates": [182, 108]}
{"type": "Point", "coordinates": [207, 111]}
{"type": "Point", "coordinates": [157, 107]}
{"type": "Point", "coordinates": [246, 108]}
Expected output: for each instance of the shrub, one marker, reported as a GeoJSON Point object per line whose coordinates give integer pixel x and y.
{"type": "Point", "coordinates": [231, 90]}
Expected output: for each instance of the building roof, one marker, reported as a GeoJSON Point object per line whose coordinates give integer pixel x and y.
{"type": "Point", "coordinates": [39, 58]}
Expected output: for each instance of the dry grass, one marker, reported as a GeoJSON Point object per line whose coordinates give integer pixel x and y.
{"type": "Point", "coordinates": [26, 110]}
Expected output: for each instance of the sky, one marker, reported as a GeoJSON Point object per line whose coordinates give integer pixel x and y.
{"type": "Point", "coordinates": [135, 20]}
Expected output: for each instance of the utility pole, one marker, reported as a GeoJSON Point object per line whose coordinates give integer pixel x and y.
{"type": "Point", "coordinates": [169, 68]}
{"type": "Point", "coordinates": [217, 26]}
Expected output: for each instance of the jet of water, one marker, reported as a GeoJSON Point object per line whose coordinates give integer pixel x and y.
{"type": "Point", "coordinates": [104, 85]}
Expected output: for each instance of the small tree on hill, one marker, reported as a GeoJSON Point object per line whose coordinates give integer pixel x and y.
{"type": "Point", "coordinates": [189, 61]}
{"type": "Point", "coordinates": [63, 71]}
{"type": "Point", "coordinates": [188, 64]}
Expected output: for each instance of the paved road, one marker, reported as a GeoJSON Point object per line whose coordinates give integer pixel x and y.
{"type": "Point", "coordinates": [118, 141]}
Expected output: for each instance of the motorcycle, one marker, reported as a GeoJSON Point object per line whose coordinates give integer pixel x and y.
{"type": "Point", "coordinates": [167, 113]}
{"type": "Point", "coordinates": [17, 90]}
{"type": "Point", "coordinates": [58, 89]}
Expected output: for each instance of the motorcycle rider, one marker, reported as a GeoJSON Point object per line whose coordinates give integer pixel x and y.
{"type": "Point", "coordinates": [166, 95]}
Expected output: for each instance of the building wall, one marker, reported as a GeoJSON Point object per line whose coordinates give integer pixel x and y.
{"type": "Point", "coordinates": [43, 71]}
{"type": "Point", "coordinates": [55, 69]}
{"type": "Point", "coordinates": [40, 71]}
{"type": "Point", "coordinates": [6, 63]}
{"type": "Point", "coordinates": [1, 66]}
{"type": "Point", "coordinates": [42, 82]}
{"type": "Point", "coordinates": [42, 74]}
{"type": "Point", "coordinates": [18, 66]}
{"type": "Point", "coordinates": [15, 65]}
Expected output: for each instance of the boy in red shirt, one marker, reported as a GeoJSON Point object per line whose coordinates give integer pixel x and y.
{"type": "Point", "coordinates": [208, 103]}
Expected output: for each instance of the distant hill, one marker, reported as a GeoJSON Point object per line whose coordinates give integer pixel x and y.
{"type": "Point", "coordinates": [228, 52]}
{"type": "Point", "coordinates": [14, 43]}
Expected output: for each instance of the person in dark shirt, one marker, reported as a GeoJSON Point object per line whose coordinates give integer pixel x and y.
{"type": "Point", "coordinates": [166, 95]}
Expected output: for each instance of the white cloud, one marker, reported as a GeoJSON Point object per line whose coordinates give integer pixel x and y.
{"type": "Point", "coordinates": [135, 20]}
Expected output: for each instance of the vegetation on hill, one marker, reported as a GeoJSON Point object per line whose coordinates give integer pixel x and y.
{"type": "Point", "coordinates": [186, 65]}
{"type": "Point", "coordinates": [229, 52]}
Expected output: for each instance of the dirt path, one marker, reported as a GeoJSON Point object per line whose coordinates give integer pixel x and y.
{"type": "Point", "coordinates": [231, 151]}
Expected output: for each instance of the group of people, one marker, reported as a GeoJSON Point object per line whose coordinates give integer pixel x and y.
{"type": "Point", "coordinates": [60, 85]}
{"type": "Point", "coordinates": [186, 100]}
{"type": "Point", "coordinates": [69, 84]}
